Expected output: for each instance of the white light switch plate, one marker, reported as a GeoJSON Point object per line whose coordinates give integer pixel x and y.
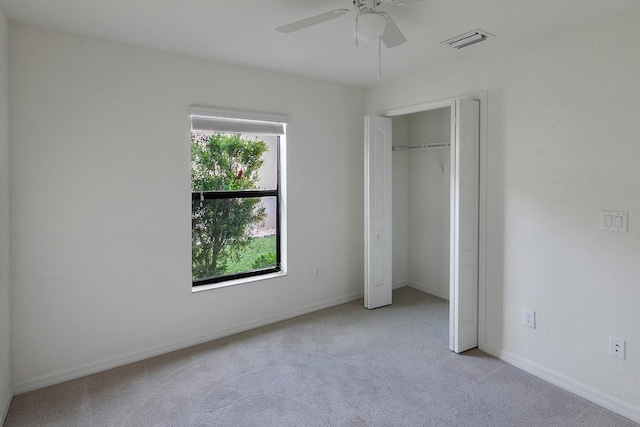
{"type": "Point", "coordinates": [614, 221]}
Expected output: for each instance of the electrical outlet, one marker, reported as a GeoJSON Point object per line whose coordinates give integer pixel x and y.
{"type": "Point", "coordinates": [318, 272]}
{"type": "Point", "coordinates": [529, 317]}
{"type": "Point", "coordinates": [617, 348]}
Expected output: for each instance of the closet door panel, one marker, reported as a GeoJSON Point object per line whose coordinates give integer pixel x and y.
{"type": "Point", "coordinates": [378, 200]}
{"type": "Point", "coordinates": [465, 180]}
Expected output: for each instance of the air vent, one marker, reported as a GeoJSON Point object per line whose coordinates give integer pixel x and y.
{"type": "Point", "coordinates": [467, 39]}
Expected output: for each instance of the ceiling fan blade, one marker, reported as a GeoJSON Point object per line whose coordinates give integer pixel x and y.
{"type": "Point", "coordinates": [304, 23]}
{"type": "Point", "coordinates": [392, 35]}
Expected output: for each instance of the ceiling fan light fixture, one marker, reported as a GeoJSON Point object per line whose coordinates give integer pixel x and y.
{"type": "Point", "coordinates": [371, 26]}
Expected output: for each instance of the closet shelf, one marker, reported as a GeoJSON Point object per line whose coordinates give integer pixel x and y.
{"type": "Point", "coordinates": [412, 147]}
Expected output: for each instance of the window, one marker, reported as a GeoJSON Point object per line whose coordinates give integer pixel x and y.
{"type": "Point", "coordinates": [237, 197]}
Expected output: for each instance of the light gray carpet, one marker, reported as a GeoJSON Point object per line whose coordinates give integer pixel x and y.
{"type": "Point", "coordinates": [344, 366]}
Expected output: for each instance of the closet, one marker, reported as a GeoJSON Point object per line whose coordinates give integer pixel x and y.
{"type": "Point", "coordinates": [422, 208]}
{"type": "Point", "coordinates": [421, 184]}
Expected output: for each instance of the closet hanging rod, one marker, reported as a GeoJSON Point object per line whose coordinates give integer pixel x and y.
{"type": "Point", "coordinates": [411, 147]}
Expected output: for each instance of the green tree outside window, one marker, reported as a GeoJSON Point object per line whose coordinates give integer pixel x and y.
{"type": "Point", "coordinates": [222, 228]}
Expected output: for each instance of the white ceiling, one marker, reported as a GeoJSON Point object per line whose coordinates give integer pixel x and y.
{"type": "Point", "coordinates": [242, 31]}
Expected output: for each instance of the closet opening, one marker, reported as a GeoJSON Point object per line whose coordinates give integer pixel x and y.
{"type": "Point", "coordinates": [421, 183]}
{"type": "Point", "coordinates": [424, 208]}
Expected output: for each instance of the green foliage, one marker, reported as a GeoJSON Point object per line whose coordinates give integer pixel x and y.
{"type": "Point", "coordinates": [256, 249]}
{"type": "Point", "coordinates": [264, 260]}
{"type": "Point", "coordinates": [223, 162]}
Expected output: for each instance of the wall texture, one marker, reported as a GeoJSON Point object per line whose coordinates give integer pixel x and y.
{"type": "Point", "coordinates": [5, 309]}
{"type": "Point", "coordinates": [563, 144]}
{"type": "Point", "coordinates": [101, 202]}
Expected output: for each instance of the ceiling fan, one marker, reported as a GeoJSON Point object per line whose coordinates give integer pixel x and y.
{"type": "Point", "coordinates": [371, 23]}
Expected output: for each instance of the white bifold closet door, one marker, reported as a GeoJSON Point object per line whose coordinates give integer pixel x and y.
{"type": "Point", "coordinates": [377, 212]}
{"type": "Point", "coordinates": [465, 192]}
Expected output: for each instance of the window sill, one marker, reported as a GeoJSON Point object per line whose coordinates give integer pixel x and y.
{"type": "Point", "coordinates": [237, 282]}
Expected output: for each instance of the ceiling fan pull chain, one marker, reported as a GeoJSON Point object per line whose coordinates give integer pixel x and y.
{"type": "Point", "coordinates": [357, 16]}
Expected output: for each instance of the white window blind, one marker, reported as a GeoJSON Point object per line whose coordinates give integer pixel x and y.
{"type": "Point", "coordinates": [213, 120]}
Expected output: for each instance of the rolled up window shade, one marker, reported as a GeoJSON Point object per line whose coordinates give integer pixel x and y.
{"type": "Point", "coordinates": [227, 121]}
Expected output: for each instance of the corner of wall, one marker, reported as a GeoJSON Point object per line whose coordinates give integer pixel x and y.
{"type": "Point", "coordinates": [6, 392]}
{"type": "Point", "coordinates": [4, 409]}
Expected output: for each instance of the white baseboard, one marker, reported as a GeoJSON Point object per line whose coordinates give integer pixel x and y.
{"type": "Point", "coordinates": [611, 403]}
{"type": "Point", "coordinates": [4, 409]}
{"type": "Point", "coordinates": [427, 289]}
{"type": "Point", "coordinates": [92, 368]}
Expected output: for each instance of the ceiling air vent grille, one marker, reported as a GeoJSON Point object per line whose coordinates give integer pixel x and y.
{"type": "Point", "coordinates": [467, 39]}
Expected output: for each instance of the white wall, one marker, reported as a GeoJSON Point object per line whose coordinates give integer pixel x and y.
{"type": "Point", "coordinates": [5, 309]}
{"type": "Point", "coordinates": [563, 143]}
{"type": "Point", "coordinates": [100, 201]}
